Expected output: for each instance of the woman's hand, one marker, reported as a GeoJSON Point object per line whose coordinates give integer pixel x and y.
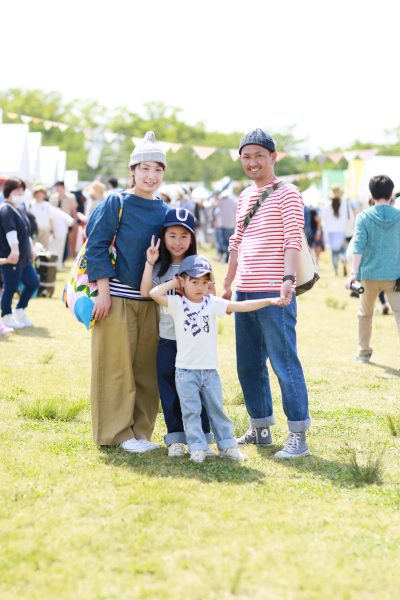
{"type": "Point", "coordinates": [13, 257]}
{"type": "Point", "coordinates": [153, 251]}
{"type": "Point", "coordinates": [179, 283]}
{"type": "Point", "coordinates": [102, 305]}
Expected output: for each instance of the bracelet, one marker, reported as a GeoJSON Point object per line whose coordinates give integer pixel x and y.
{"type": "Point", "coordinates": [287, 277]}
{"type": "Point", "coordinates": [152, 264]}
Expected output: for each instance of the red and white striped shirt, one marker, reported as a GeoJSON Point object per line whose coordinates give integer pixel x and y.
{"type": "Point", "coordinates": [274, 228]}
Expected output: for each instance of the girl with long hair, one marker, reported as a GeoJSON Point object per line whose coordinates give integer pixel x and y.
{"type": "Point", "coordinates": [177, 241]}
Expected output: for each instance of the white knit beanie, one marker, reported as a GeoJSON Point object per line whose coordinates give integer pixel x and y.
{"type": "Point", "coordinates": [146, 150]}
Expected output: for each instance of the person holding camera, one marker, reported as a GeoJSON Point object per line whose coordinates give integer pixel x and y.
{"type": "Point", "coordinates": [376, 260]}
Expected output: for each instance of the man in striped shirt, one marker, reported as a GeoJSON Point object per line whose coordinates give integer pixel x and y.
{"type": "Point", "coordinates": [263, 257]}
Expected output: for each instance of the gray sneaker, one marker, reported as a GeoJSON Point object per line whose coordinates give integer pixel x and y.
{"type": "Point", "coordinates": [261, 436]}
{"type": "Point", "coordinates": [295, 446]}
{"type": "Point", "coordinates": [363, 358]}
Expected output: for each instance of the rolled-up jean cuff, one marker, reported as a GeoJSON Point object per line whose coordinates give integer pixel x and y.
{"type": "Point", "coordinates": [177, 437]}
{"type": "Point", "coordinates": [299, 426]}
{"type": "Point", "coordinates": [198, 446]}
{"type": "Point", "coordinates": [264, 422]}
{"type": "Point", "coordinates": [228, 443]}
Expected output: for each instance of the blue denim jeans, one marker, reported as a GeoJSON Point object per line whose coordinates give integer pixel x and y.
{"type": "Point", "coordinates": [13, 275]}
{"type": "Point", "coordinates": [265, 334]}
{"type": "Point", "coordinates": [197, 389]}
{"type": "Point", "coordinates": [166, 355]}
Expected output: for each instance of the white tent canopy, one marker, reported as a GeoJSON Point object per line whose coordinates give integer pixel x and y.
{"type": "Point", "coordinates": [22, 155]}
{"type": "Point", "coordinates": [312, 196]}
{"type": "Point", "coordinates": [14, 155]}
{"type": "Point", "coordinates": [379, 165]}
{"type": "Point", "coordinates": [34, 143]}
{"type": "Point", "coordinates": [49, 164]}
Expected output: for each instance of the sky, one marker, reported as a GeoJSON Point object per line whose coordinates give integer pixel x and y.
{"type": "Point", "coordinates": [327, 68]}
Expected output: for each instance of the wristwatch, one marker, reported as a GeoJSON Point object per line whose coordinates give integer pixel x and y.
{"type": "Point", "coordinates": [287, 277]}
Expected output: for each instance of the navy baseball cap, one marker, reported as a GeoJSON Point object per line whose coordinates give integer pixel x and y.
{"type": "Point", "coordinates": [195, 266]}
{"type": "Point", "coordinates": [258, 137]}
{"type": "Point", "coordinates": [181, 217]}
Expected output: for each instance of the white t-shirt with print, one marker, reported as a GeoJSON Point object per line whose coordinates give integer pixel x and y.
{"type": "Point", "coordinates": [196, 330]}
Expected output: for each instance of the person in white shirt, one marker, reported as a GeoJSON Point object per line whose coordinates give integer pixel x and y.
{"type": "Point", "coordinates": [197, 380]}
{"type": "Point", "coordinates": [335, 222]}
{"type": "Point", "coordinates": [41, 210]}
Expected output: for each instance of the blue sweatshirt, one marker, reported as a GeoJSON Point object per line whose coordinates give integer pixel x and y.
{"type": "Point", "coordinates": [141, 218]}
{"type": "Point", "coordinates": [377, 238]}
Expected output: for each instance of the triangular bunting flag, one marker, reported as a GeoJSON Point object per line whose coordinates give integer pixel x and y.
{"type": "Point", "coordinates": [336, 156]}
{"type": "Point", "coordinates": [166, 146]}
{"type": "Point", "coordinates": [203, 152]}
{"type": "Point", "coordinates": [280, 155]}
{"type": "Point", "coordinates": [26, 119]}
{"type": "Point", "coordinates": [175, 147]}
{"type": "Point", "coordinates": [234, 153]}
{"type": "Point", "coordinates": [12, 115]}
{"type": "Point", "coordinates": [366, 154]}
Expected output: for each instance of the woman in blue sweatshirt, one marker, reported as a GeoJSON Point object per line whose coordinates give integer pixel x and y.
{"type": "Point", "coordinates": [124, 393]}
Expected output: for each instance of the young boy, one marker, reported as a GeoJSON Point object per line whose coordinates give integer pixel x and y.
{"type": "Point", "coordinates": [197, 380]}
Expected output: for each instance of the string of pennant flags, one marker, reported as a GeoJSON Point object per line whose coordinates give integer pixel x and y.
{"type": "Point", "coordinates": [202, 152]}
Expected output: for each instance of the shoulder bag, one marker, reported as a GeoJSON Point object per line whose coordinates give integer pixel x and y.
{"type": "Point", "coordinates": [79, 293]}
{"type": "Point", "coordinates": [306, 272]}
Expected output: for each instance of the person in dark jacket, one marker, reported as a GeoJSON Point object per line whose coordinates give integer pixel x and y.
{"type": "Point", "coordinates": [16, 247]}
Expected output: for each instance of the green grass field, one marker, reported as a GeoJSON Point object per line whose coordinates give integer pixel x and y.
{"type": "Point", "coordinates": [78, 522]}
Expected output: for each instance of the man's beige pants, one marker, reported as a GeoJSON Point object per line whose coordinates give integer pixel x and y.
{"type": "Point", "coordinates": [124, 393]}
{"type": "Point", "coordinates": [367, 302]}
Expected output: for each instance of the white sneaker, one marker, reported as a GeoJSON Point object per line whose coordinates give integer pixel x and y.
{"type": "Point", "coordinates": [198, 456]}
{"type": "Point", "coordinates": [146, 446]}
{"type": "Point", "coordinates": [176, 450]}
{"type": "Point", "coordinates": [21, 316]}
{"type": "Point", "coordinates": [130, 445]}
{"type": "Point", "coordinates": [11, 321]}
{"type": "Point", "coordinates": [4, 330]}
{"type": "Point", "coordinates": [233, 454]}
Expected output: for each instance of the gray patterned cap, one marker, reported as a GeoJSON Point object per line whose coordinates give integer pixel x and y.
{"type": "Point", "coordinates": [259, 138]}
{"type": "Point", "coordinates": [146, 150]}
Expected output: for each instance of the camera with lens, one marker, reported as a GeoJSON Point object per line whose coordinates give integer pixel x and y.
{"type": "Point", "coordinates": [397, 285]}
{"type": "Point", "coordinates": [357, 287]}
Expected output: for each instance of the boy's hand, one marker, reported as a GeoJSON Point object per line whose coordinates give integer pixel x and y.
{"type": "Point", "coordinates": [351, 279]}
{"type": "Point", "coordinates": [153, 252]}
{"type": "Point", "coordinates": [279, 301]}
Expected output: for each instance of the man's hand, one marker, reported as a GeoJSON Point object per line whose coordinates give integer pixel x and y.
{"type": "Point", "coordinates": [102, 305]}
{"type": "Point", "coordinates": [286, 290]}
{"type": "Point", "coordinates": [226, 292]}
{"type": "Point", "coordinates": [351, 279]}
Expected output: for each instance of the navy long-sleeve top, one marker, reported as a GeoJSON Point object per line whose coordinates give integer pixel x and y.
{"type": "Point", "coordinates": [141, 218]}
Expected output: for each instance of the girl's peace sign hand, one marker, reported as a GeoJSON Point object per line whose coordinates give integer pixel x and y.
{"type": "Point", "coordinates": [153, 252]}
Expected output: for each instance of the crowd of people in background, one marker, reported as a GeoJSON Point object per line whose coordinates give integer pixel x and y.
{"type": "Point", "coordinates": [57, 220]}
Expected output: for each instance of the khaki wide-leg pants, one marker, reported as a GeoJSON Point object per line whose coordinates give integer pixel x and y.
{"type": "Point", "coordinates": [367, 302]}
{"type": "Point", "coordinates": [124, 394]}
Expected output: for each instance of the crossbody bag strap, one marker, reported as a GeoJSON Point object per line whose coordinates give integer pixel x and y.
{"type": "Point", "coordinates": [121, 207]}
{"type": "Point", "coordinates": [257, 204]}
